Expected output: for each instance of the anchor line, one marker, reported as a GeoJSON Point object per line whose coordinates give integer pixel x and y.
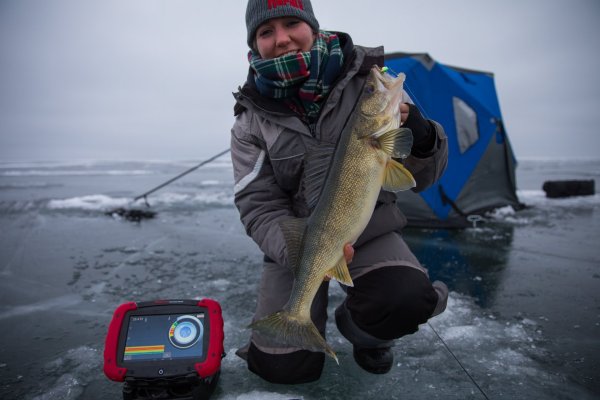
{"type": "Point", "coordinates": [458, 361]}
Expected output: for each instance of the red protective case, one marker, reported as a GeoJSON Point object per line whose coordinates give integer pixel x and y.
{"type": "Point", "coordinates": [204, 369]}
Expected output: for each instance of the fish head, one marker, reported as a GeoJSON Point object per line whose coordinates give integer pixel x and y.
{"type": "Point", "coordinates": [379, 105]}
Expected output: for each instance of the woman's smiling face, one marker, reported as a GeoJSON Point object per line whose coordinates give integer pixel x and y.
{"type": "Point", "coordinates": [280, 36]}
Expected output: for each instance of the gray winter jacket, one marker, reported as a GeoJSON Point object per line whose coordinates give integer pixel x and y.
{"type": "Point", "coordinates": [268, 145]}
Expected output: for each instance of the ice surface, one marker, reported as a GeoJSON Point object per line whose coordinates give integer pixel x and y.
{"type": "Point", "coordinates": [69, 172]}
{"type": "Point", "coordinates": [163, 201]}
{"type": "Point", "coordinates": [538, 198]}
{"type": "Point", "coordinates": [260, 395]}
{"type": "Point", "coordinates": [522, 316]}
{"type": "Point", "coordinates": [81, 364]}
{"type": "Point", "coordinates": [42, 306]}
{"type": "Point", "coordinates": [91, 202]}
{"type": "Point", "coordinates": [99, 202]}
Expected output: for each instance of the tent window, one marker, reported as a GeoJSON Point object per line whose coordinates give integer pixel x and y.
{"type": "Point", "coordinates": [466, 124]}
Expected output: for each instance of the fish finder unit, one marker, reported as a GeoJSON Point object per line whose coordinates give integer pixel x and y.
{"type": "Point", "coordinates": [165, 349]}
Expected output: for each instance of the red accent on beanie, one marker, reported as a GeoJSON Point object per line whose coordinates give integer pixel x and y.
{"type": "Point", "coordinates": [292, 3]}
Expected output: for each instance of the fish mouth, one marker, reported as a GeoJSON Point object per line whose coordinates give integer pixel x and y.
{"type": "Point", "coordinates": [382, 105]}
{"type": "Point", "coordinates": [394, 87]}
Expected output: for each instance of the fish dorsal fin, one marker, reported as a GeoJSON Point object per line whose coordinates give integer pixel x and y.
{"type": "Point", "coordinates": [397, 142]}
{"type": "Point", "coordinates": [397, 177]}
{"type": "Point", "coordinates": [316, 167]}
{"type": "Point", "coordinates": [293, 233]}
{"type": "Point", "coordinates": [340, 273]}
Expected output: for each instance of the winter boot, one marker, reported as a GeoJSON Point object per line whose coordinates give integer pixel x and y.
{"type": "Point", "coordinates": [374, 360]}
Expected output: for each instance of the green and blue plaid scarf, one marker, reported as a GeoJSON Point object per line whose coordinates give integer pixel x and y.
{"type": "Point", "coordinates": [302, 80]}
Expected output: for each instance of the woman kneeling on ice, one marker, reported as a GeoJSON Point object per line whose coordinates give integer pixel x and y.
{"type": "Point", "coordinates": [300, 95]}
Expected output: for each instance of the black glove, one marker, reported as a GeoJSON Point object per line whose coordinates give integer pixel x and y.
{"type": "Point", "coordinates": [423, 132]}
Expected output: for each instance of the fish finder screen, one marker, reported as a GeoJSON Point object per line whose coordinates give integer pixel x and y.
{"type": "Point", "coordinates": [164, 337]}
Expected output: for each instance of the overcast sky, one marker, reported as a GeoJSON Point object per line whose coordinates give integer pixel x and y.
{"type": "Point", "coordinates": [152, 79]}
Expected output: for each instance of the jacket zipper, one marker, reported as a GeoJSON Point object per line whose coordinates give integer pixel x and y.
{"type": "Point", "coordinates": [312, 127]}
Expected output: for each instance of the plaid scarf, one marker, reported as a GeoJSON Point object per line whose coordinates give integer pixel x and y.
{"type": "Point", "coordinates": [302, 80]}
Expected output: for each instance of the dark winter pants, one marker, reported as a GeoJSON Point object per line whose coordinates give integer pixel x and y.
{"type": "Point", "coordinates": [384, 304]}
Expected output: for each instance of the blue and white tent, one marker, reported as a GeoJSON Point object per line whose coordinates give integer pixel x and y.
{"type": "Point", "coordinates": [481, 165]}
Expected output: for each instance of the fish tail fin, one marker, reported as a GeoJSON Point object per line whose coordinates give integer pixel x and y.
{"type": "Point", "coordinates": [289, 329]}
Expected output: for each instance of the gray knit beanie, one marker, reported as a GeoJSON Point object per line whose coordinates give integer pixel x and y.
{"type": "Point", "coordinates": [259, 11]}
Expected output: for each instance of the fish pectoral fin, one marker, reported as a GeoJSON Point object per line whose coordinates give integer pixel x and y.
{"type": "Point", "coordinates": [397, 177]}
{"type": "Point", "coordinates": [293, 233]}
{"type": "Point", "coordinates": [340, 273]}
{"type": "Point", "coordinates": [397, 142]}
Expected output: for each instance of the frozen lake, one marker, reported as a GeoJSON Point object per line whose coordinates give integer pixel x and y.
{"type": "Point", "coordinates": [523, 316]}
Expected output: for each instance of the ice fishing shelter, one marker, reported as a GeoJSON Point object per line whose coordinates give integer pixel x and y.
{"type": "Point", "coordinates": [481, 164]}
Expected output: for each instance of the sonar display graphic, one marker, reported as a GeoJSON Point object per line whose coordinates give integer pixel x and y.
{"type": "Point", "coordinates": [164, 337]}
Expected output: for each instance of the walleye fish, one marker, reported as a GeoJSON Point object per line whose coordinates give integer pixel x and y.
{"type": "Point", "coordinates": [361, 166]}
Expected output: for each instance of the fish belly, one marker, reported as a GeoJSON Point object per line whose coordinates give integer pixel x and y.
{"type": "Point", "coordinates": [348, 210]}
